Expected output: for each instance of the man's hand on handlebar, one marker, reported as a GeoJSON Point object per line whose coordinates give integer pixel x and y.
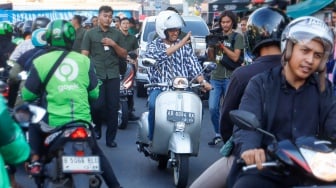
{"type": "Point", "coordinates": [206, 86]}
{"type": "Point", "coordinates": [254, 156]}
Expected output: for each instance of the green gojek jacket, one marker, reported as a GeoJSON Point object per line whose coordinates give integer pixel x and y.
{"type": "Point", "coordinates": [13, 146]}
{"type": "Point", "coordinates": [69, 90]}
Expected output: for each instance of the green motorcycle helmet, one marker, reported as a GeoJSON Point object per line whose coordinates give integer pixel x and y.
{"type": "Point", "coordinates": [6, 29]}
{"type": "Point", "coordinates": [60, 33]}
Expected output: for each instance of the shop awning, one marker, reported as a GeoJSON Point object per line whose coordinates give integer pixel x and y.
{"type": "Point", "coordinates": [306, 8]}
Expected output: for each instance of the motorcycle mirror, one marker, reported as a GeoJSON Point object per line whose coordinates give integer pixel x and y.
{"type": "Point", "coordinates": [26, 114]}
{"type": "Point", "coordinates": [209, 65]}
{"type": "Point", "coordinates": [23, 75]}
{"type": "Point", "coordinates": [132, 55]}
{"type": "Point", "coordinates": [249, 121]}
{"type": "Point", "coordinates": [244, 119]}
{"type": "Point", "coordinates": [38, 113]}
{"type": "Point", "coordinates": [148, 62]}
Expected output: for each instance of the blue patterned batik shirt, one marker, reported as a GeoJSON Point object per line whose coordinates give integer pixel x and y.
{"type": "Point", "coordinates": [183, 62]}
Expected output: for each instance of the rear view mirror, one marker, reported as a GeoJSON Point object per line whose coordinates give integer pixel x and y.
{"type": "Point", "coordinates": [209, 65]}
{"type": "Point", "coordinates": [27, 113]}
{"type": "Point", "coordinates": [244, 119]}
{"type": "Point", "coordinates": [148, 62]}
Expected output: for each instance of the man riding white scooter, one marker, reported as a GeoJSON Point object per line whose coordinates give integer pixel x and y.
{"type": "Point", "coordinates": [174, 57]}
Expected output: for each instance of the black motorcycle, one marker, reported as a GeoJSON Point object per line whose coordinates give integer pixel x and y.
{"type": "Point", "coordinates": [126, 90]}
{"type": "Point", "coordinates": [68, 159]}
{"type": "Point", "coordinates": [311, 157]}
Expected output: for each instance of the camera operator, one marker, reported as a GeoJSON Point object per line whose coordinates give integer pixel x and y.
{"type": "Point", "coordinates": [227, 44]}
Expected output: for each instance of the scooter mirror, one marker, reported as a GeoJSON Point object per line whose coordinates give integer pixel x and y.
{"type": "Point", "coordinates": [132, 55]}
{"type": "Point", "coordinates": [209, 65]}
{"type": "Point", "coordinates": [148, 62]}
{"type": "Point", "coordinates": [249, 121]}
{"type": "Point", "coordinates": [23, 75]}
{"type": "Point", "coordinates": [38, 113]}
{"type": "Point", "coordinates": [244, 119]}
{"type": "Point", "coordinates": [26, 114]}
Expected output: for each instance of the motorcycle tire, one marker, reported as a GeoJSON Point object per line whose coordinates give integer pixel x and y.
{"type": "Point", "coordinates": [123, 115]}
{"type": "Point", "coordinates": [181, 170]}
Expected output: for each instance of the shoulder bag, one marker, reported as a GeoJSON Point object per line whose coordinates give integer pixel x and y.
{"type": "Point", "coordinates": [229, 63]}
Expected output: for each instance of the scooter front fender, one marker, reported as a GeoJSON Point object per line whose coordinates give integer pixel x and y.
{"type": "Point", "coordinates": [180, 143]}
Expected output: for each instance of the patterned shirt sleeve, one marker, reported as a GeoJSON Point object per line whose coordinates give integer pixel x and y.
{"type": "Point", "coordinates": [183, 62]}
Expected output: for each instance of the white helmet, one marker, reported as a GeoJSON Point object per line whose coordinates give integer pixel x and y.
{"type": "Point", "coordinates": [306, 29]}
{"type": "Point", "coordinates": [167, 20]}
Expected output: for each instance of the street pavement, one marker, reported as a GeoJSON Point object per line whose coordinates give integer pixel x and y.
{"type": "Point", "coordinates": [134, 170]}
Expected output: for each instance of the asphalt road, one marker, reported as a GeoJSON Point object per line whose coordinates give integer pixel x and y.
{"type": "Point", "coordinates": [134, 170]}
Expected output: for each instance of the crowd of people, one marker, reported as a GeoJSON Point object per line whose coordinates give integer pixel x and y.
{"type": "Point", "coordinates": [286, 80]}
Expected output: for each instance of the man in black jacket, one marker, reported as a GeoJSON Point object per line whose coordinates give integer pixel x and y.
{"type": "Point", "coordinates": [290, 101]}
{"type": "Point", "coordinates": [267, 51]}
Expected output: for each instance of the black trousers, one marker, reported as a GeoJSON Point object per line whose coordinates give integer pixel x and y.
{"type": "Point", "coordinates": [130, 103]}
{"type": "Point", "coordinates": [106, 107]}
{"type": "Point", "coordinates": [37, 136]}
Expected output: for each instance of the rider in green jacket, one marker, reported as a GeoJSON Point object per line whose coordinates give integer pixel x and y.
{"type": "Point", "coordinates": [13, 146]}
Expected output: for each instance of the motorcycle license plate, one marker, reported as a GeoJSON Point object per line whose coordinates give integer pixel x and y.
{"type": "Point", "coordinates": [177, 116]}
{"type": "Point", "coordinates": [80, 164]}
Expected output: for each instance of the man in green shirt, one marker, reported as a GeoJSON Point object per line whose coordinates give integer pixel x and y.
{"type": "Point", "coordinates": [66, 95]}
{"type": "Point", "coordinates": [76, 21]}
{"type": "Point", "coordinates": [102, 45]}
{"type": "Point", "coordinates": [130, 43]}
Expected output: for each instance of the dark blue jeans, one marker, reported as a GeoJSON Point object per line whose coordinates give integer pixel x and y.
{"type": "Point", "coordinates": [219, 88]}
{"type": "Point", "coordinates": [151, 115]}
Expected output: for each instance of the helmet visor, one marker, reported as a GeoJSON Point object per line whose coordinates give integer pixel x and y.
{"type": "Point", "coordinates": [305, 37]}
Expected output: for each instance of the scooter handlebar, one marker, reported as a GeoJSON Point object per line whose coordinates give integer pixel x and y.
{"type": "Point", "coordinates": [156, 85]}
{"type": "Point", "coordinates": [266, 164]}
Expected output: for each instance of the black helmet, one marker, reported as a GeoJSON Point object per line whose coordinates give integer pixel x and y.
{"type": "Point", "coordinates": [60, 33]}
{"type": "Point", "coordinates": [40, 22]}
{"type": "Point", "coordinates": [27, 27]}
{"type": "Point", "coordinates": [264, 27]}
{"type": "Point", "coordinates": [18, 28]}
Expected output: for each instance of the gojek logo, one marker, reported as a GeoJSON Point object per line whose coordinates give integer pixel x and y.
{"type": "Point", "coordinates": [67, 70]}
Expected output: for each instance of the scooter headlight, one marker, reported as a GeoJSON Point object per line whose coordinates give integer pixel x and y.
{"type": "Point", "coordinates": [322, 165]}
{"type": "Point", "coordinates": [180, 83]}
{"type": "Point", "coordinates": [179, 126]}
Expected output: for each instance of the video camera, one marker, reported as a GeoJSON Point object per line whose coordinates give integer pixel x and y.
{"type": "Point", "coordinates": [215, 37]}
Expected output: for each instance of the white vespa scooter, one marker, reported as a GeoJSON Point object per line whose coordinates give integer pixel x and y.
{"type": "Point", "coordinates": [178, 120]}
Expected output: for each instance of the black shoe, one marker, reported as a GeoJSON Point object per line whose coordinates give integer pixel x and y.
{"type": "Point", "coordinates": [132, 117]}
{"type": "Point", "coordinates": [112, 144]}
{"type": "Point", "coordinates": [97, 133]}
{"type": "Point", "coordinates": [215, 141]}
